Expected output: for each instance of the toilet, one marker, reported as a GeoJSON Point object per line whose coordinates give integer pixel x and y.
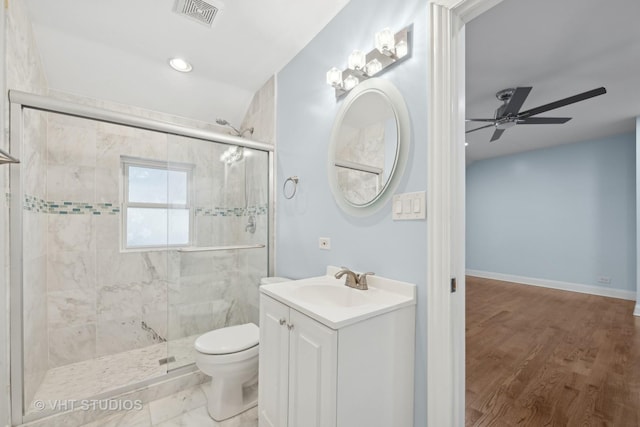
{"type": "Point", "coordinates": [230, 357]}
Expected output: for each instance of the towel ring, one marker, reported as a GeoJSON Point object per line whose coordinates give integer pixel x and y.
{"type": "Point", "coordinates": [294, 181]}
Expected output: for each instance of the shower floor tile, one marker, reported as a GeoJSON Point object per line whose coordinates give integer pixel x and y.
{"type": "Point", "coordinates": [89, 378]}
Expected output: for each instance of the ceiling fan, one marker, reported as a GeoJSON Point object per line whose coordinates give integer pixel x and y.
{"type": "Point", "coordinates": [508, 114]}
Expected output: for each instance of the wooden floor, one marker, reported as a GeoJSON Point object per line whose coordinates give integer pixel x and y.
{"type": "Point", "coordinates": [542, 357]}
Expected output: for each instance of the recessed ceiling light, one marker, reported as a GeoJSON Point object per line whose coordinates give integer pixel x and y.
{"type": "Point", "coordinates": [180, 64]}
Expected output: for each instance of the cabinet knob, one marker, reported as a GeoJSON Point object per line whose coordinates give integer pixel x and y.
{"type": "Point", "coordinates": [290, 326]}
{"type": "Point", "coordinates": [283, 321]}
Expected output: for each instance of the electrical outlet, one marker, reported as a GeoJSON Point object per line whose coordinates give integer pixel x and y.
{"type": "Point", "coordinates": [605, 280]}
{"type": "Point", "coordinates": [324, 243]}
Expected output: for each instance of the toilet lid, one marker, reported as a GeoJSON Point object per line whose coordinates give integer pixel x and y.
{"type": "Point", "coordinates": [231, 339]}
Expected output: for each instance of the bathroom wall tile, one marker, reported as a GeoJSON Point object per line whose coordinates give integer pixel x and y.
{"type": "Point", "coordinates": [157, 321]}
{"type": "Point", "coordinates": [192, 319]}
{"type": "Point", "coordinates": [177, 404]}
{"type": "Point", "coordinates": [73, 344]}
{"type": "Point", "coordinates": [203, 183]}
{"type": "Point", "coordinates": [204, 231]}
{"type": "Point", "coordinates": [198, 288]}
{"type": "Point", "coordinates": [109, 148]}
{"type": "Point", "coordinates": [68, 270]}
{"type": "Point", "coordinates": [157, 263]}
{"type": "Point", "coordinates": [108, 185]}
{"type": "Point", "coordinates": [118, 301]}
{"type": "Point", "coordinates": [71, 145]}
{"type": "Point", "coordinates": [34, 154]}
{"type": "Point", "coordinates": [261, 113]}
{"type": "Point", "coordinates": [70, 183]}
{"type": "Point", "coordinates": [63, 120]}
{"type": "Point", "coordinates": [115, 336]}
{"type": "Point", "coordinates": [71, 233]}
{"type": "Point", "coordinates": [107, 231]}
{"type": "Point", "coordinates": [196, 263]}
{"type": "Point", "coordinates": [24, 70]}
{"type": "Point", "coordinates": [114, 268]}
{"type": "Point", "coordinates": [154, 296]}
{"type": "Point", "coordinates": [71, 308]}
{"type": "Point", "coordinates": [34, 237]}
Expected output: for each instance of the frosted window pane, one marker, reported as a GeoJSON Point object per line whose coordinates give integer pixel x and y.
{"type": "Point", "coordinates": [178, 187]}
{"type": "Point", "coordinates": [178, 228]}
{"type": "Point", "coordinates": [157, 227]}
{"type": "Point", "coordinates": [147, 185]}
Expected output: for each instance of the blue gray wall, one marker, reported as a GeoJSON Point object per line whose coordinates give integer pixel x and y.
{"type": "Point", "coordinates": [566, 213]}
{"type": "Point", "coordinates": [306, 108]}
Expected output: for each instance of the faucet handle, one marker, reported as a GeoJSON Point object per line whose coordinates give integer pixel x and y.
{"type": "Point", "coordinates": [362, 278]}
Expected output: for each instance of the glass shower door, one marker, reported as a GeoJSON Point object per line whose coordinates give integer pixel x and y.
{"type": "Point", "coordinates": [217, 276]}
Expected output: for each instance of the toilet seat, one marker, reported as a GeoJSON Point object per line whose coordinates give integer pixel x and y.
{"type": "Point", "coordinates": [229, 340]}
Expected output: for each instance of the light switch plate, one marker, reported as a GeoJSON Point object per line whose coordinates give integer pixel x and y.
{"type": "Point", "coordinates": [413, 206]}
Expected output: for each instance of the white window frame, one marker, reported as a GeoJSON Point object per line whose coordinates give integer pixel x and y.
{"type": "Point", "coordinates": [127, 162]}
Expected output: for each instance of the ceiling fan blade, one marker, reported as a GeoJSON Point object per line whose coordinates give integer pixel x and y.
{"type": "Point", "coordinates": [481, 127]}
{"type": "Point", "coordinates": [480, 120]}
{"type": "Point", "coordinates": [516, 101]}
{"type": "Point", "coordinates": [562, 102]}
{"type": "Point", "coordinates": [497, 134]}
{"type": "Point", "coordinates": [543, 120]}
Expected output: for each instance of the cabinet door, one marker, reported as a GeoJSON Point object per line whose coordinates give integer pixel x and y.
{"type": "Point", "coordinates": [274, 363]}
{"type": "Point", "coordinates": [312, 373]}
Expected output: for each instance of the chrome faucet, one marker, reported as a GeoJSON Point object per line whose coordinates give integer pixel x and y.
{"type": "Point", "coordinates": [353, 280]}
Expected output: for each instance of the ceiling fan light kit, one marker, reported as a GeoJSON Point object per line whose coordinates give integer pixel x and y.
{"type": "Point", "coordinates": [508, 114]}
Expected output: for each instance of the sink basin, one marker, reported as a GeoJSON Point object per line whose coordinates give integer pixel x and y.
{"type": "Point", "coordinates": [327, 300]}
{"type": "Point", "coordinates": [331, 295]}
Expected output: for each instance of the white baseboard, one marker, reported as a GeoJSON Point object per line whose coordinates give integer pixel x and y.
{"type": "Point", "coordinates": [565, 286]}
{"type": "Point", "coordinates": [636, 312]}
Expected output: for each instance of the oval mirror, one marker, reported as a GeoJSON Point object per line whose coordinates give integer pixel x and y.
{"type": "Point", "coordinates": [369, 147]}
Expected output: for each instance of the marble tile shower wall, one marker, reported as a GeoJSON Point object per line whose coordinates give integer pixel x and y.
{"type": "Point", "coordinates": [103, 301]}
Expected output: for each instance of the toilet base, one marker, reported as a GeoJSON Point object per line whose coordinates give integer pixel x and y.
{"type": "Point", "coordinates": [230, 406]}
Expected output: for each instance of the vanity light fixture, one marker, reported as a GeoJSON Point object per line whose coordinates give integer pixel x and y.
{"type": "Point", "coordinates": [385, 42]}
{"type": "Point", "coordinates": [334, 77]}
{"type": "Point", "coordinates": [180, 64]}
{"type": "Point", "coordinates": [357, 60]}
{"type": "Point", "coordinates": [389, 49]}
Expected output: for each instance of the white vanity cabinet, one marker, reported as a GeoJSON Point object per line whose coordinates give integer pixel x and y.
{"type": "Point", "coordinates": [298, 382]}
{"type": "Point", "coordinates": [335, 369]}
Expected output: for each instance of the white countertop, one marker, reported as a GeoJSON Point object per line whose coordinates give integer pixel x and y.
{"type": "Point", "coordinates": [327, 300]}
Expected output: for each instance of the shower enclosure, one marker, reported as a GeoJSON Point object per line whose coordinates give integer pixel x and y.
{"type": "Point", "coordinates": [129, 238]}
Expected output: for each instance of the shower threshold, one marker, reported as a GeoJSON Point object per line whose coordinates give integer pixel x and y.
{"type": "Point", "coordinates": [94, 377]}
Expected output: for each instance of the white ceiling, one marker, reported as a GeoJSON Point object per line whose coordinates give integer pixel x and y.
{"type": "Point", "coordinates": [118, 50]}
{"type": "Point", "coordinates": [561, 48]}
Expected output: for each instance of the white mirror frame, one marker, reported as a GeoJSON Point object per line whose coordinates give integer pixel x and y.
{"type": "Point", "coordinates": [403, 124]}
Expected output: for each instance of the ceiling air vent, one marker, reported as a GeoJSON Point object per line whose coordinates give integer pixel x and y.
{"type": "Point", "coordinates": [198, 10]}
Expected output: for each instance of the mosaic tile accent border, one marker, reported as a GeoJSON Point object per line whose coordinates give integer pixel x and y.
{"type": "Point", "coordinates": [36, 204]}
{"type": "Point", "coordinates": [251, 210]}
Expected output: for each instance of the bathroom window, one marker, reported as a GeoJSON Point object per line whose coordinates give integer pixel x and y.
{"type": "Point", "coordinates": [157, 210]}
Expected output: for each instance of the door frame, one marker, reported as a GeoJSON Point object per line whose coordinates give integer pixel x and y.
{"type": "Point", "coordinates": [446, 209]}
